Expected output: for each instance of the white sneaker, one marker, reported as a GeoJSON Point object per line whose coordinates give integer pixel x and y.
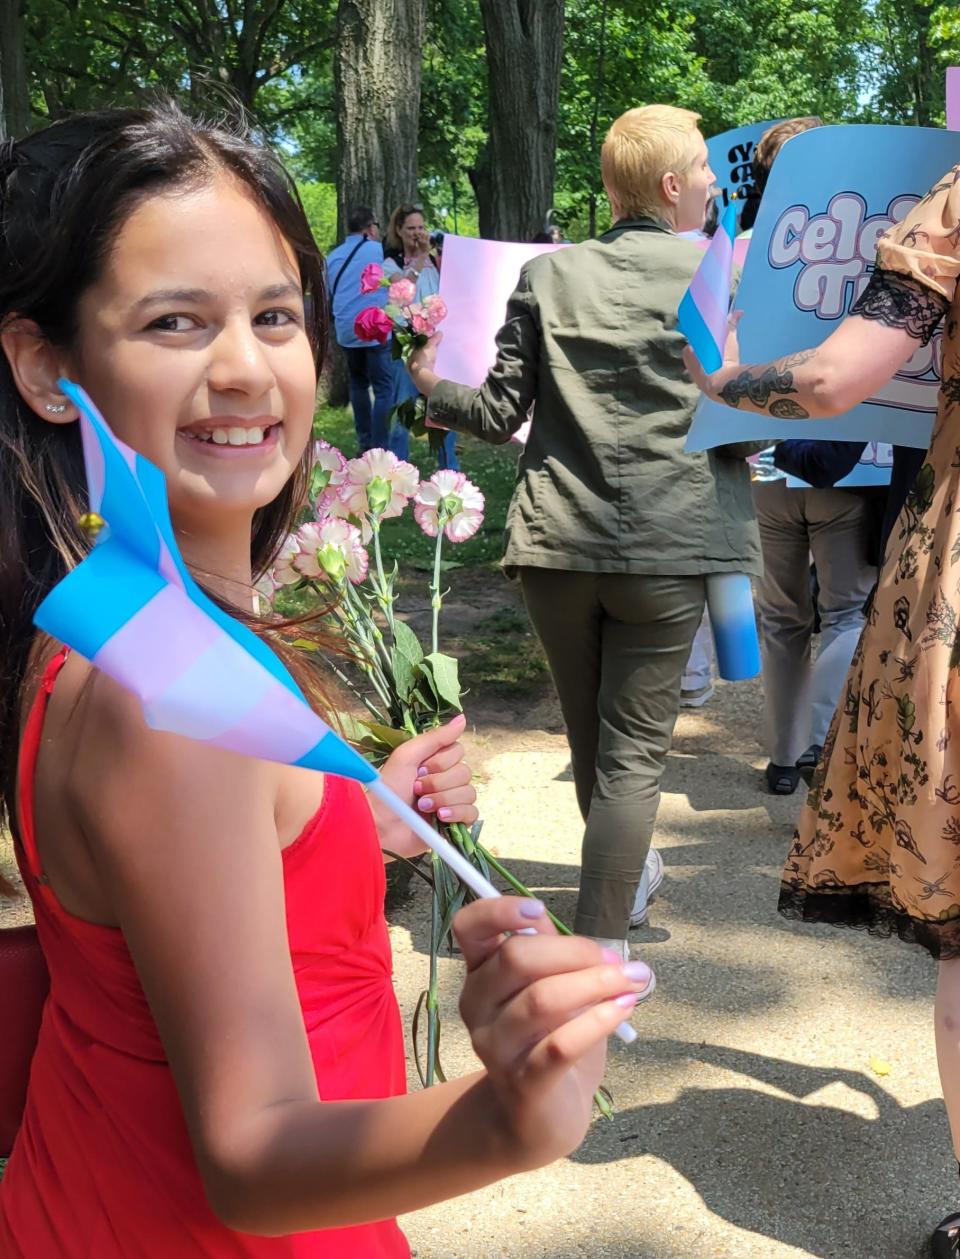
{"type": "Point", "coordinates": [650, 881]}
{"type": "Point", "coordinates": [615, 946]}
{"type": "Point", "coordinates": [623, 948]}
{"type": "Point", "coordinates": [696, 697]}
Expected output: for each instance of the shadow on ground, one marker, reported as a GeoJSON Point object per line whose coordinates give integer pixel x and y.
{"type": "Point", "coordinates": [809, 1152]}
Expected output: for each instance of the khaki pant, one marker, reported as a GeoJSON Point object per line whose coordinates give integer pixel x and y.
{"type": "Point", "coordinates": [616, 645]}
{"type": "Point", "coordinates": [833, 526]}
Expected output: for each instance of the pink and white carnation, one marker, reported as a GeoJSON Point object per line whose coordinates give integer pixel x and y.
{"type": "Point", "coordinates": [450, 502]}
{"type": "Point", "coordinates": [378, 484]}
{"type": "Point", "coordinates": [331, 550]}
{"type": "Point", "coordinates": [402, 292]}
{"type": "Point", "coordinates": [435, 308]}
{"type": "Point", "coordinates": [284, 573]}
{"type": "Point", "coordinates": [420, 323]}
{"type": "Point", "coordinates": [339, 510]}
{"type": "Point", "coordinates": [329, 469]}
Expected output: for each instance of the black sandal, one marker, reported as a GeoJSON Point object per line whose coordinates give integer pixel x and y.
{"type": "Point", "coordinates": [945, 1239]}
{"type": "Point", "coordinates": [782, 780]}
{"type": "Point", "coordinates": [808, 762]}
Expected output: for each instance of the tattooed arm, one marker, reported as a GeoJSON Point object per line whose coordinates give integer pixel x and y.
{"type": "Point", "coordinates": [881, 333]}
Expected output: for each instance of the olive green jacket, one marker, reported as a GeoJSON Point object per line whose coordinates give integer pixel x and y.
{"type": "Point", "coordinates": [604, 484]}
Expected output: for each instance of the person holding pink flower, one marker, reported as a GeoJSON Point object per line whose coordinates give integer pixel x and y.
{"type": "Point", "coordinates": [416, 277]}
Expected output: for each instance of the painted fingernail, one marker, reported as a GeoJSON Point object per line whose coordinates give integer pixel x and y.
{"type": "Point", "coordinates": [612, 956]}
{"type": "Point", "coordinates": [422, 771]}
{"type": "Point", "coordinates": [445, 814]}
{"type": "Point", "coordinates": [637, 972]}
{"type": "Point", "coordinates": [426, 804]}
{"type": "Point", "coordinates": [532, 908]}
{"type": "Point", "coordinates": [627, 1001]}
{"type": "Point", "coordinates": [418, 788]}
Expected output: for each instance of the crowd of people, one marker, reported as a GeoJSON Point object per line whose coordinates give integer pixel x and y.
{"type": "Point", "coordinates": [220, 1001]}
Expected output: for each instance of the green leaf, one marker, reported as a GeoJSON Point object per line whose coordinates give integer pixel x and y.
{"type": "Point", "coordinates": [405, 657]}
{"type": "Point", "coordinates": [407, 643]}
{"type": "Point", "coordinates": [386, 734]}
{"type": "Point", "coordinates": [304, 644]}
{"type": "Point", "coordinates": [446, 677]}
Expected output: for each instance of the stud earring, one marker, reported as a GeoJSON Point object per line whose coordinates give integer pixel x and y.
{"type": "Point", "coordinates": [56, 408]}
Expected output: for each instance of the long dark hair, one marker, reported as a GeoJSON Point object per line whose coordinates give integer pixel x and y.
{"type": "Point", "coordinates": [64, 194]}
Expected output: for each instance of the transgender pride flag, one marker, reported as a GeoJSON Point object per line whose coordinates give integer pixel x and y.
{"type": "Point", "coordinates": [703, 312]}
{"type": "Point", "coordinates": [133, 610]}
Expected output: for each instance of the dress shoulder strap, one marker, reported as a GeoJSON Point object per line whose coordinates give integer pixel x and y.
{"type": "Point", "coordinates": [29, 751]}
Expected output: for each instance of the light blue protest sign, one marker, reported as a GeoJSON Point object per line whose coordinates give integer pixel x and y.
{"type": "Point", "coordinates": [731, 154]}
{"type": "Point", "coordinates": [832, 193]}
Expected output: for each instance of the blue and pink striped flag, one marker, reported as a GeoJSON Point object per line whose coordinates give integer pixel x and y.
{"type": "Point", "coordinates": [133, 610]}
{"type": "Point", "coordinates": [703, 313]}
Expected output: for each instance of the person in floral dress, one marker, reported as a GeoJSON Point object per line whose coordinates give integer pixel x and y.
{"type": "Point", "coordinates": [878, 844]}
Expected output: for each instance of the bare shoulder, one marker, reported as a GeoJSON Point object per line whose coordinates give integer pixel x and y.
{"type": "Point", "coordinates": [127, 784]}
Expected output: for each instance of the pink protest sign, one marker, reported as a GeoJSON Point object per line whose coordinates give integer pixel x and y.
{"type": "Point", "coordinates": [477, 278]}
{"type": "Point", "coordinates": [953, 98]}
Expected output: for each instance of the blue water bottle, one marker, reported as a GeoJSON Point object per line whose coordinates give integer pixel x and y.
{"type": "Point", "coordinates": [734, 625]}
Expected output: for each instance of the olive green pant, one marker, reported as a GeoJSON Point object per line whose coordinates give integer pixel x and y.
{"type": "Point", "coordinates": [616, 645]}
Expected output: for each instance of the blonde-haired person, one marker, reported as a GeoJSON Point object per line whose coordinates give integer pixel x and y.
{"type": "Point", "coordinates": [613, 527]}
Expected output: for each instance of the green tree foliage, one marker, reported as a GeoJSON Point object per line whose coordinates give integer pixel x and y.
{"type": "Point", "coordinates": [87, 53]}
{"type": "Point", "coordinates": [912, 43]}
{"type": "Point", "coordinates": [731, 60]}
{"type": "Point", "coordinates": [648, 55]}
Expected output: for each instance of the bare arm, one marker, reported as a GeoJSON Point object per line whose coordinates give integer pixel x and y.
{"type": "Point", "coordinates": [882, 332]}
{"type": "Point", "coordinates": [186, 849]}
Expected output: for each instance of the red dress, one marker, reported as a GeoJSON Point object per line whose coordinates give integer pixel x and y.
{"type": "Point", "coordinates": [102, 1167]}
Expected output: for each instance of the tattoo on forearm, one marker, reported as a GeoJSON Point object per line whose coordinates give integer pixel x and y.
{"type": "Point", "coordinates": [758, 385]}
{"type": "Point", "coordinates": [899, 301]}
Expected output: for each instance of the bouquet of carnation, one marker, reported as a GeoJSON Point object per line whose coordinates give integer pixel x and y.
{"type": "Point", "coordinates": [411, 324]}
{"type": "Point", "coordinates": [402, 688]}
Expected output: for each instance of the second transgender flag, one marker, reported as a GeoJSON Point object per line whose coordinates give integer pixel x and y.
{"type": "Point", "coordinates": [704, 309]}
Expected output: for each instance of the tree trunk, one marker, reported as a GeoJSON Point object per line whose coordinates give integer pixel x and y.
{"type": "Point", "coordinates": [595, 116]}
{"type": "Point", "coordinates": [514, 178]}
{"type": "Point", "coordinates": [377, 63]}
{"type": "Point", "coordinates": [14, 98]}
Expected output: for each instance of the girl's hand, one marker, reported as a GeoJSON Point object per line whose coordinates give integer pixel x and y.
{"type": "Point", "coordinates": [712, 384]}
{"type": "Point", "coordinates": [539, 1010]}
{"type": "Point", "coordinates": [430, 773]}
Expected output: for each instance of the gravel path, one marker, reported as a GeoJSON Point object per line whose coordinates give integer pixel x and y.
{"type": "Point", "coordinates": [782, 1100]}
{"type": "Point", "coordinates": [783, 1097]}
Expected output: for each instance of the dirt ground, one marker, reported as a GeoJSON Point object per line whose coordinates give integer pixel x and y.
{"type": "Point", "coordinates": [782, 1099]}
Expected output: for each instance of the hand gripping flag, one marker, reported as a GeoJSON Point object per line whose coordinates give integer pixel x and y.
{"type": "Point", "coordinates": [704, 309]}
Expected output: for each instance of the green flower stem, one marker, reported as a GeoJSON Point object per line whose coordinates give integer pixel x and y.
{"type": "Point", "coordinates": [460, 834]}
{"type": "Point", "coordinates": [432, 994]}
{"type": "Point", "coordinates": [351, 686]}
{"type": "Point", "coordinates": [436, 599]}
{"type": "Point", "coordinates": [383, 590]}
{"type": "Point", "coordinates": [367, 634]}
{"type": "Point", "coordinates": [353, 621]}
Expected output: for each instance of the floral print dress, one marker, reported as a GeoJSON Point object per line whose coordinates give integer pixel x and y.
{"type": "Point", "coordinates": [878, 844]}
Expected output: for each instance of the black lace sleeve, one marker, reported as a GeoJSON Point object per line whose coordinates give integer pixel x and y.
{"type": "Point", "coordinates": [900, 301]}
